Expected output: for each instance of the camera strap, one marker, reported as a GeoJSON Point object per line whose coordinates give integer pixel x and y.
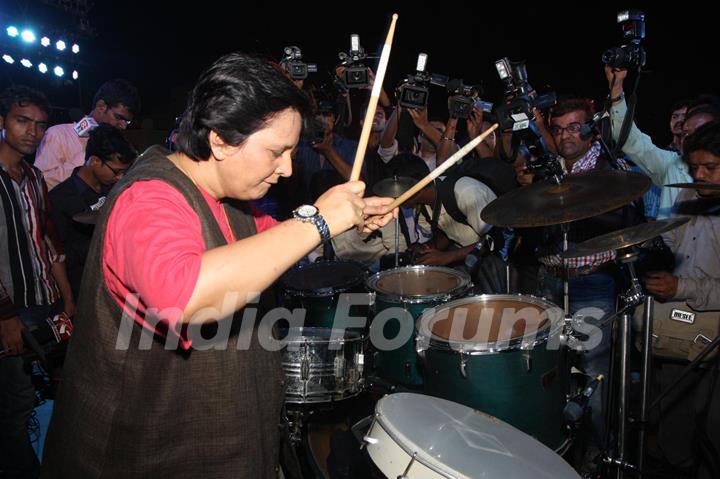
{"type": "Point", "coordinates": [629, 118]}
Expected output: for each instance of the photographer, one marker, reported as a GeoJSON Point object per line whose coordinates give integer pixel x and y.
{"type": "Point", "coordinates": [431, 134]}
{"type": "Point", "coordinates": [327, 151]}
{"type": "Point", "coordinates": [591, 278]}
{"type": "Point", "coordinates": [662, 166]}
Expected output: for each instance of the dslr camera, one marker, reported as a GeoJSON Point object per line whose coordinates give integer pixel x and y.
{"type": "Point", "coordinates": [631, 55]}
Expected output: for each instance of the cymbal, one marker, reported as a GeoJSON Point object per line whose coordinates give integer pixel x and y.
{"type": "Point", "coordinates": [625, 237]}
{"type": "Point", "coordinates": [393, 187]}
{"type": "Point", "coordinates": [86, 217]}
{"type": "Point", "coordinates": [696, 186]}
{"type": "Point", "coordinates": [579, 196]}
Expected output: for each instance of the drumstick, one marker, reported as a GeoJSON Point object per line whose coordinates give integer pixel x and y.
{"type": "Point", "coordinates": [374, 96]}
{"type": "Point", "coordinates": [441, 169]}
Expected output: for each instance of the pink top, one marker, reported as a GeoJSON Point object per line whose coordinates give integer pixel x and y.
{"type": "Point", "coordinates": [153, 248]}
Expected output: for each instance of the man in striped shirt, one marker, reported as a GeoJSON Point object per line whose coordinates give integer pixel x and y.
{"type": "Point", "coordinates": [33, 282]}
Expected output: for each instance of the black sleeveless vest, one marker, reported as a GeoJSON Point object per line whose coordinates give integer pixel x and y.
{"type": "Point", "coordinates": [160, 413]}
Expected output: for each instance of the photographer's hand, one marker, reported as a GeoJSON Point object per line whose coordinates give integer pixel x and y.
{"type": "Point", "coordinates": [542, 126]}
{"type": "Point", "coordinates": [420, 118]}
{"type": "Point", "coordinates": [615, 78]}
{"type": "Point", "coordinates": [474, 122]}
{"type": "Point", "coordinates": [661, 284]}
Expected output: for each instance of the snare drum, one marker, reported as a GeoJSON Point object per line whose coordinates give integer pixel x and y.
{"type": "Point", "coordinates": [499, 354]}
{"type": "Point", "coordinates": [320, 368]}
{"type": "Point", "coordinates": [316, 287]}
{"type": "Point", "coordinates": [423, 437]}
{"type": "Point", "coordinates": [412, 289]}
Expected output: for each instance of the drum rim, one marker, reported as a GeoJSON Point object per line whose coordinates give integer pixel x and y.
{"type": "Point", "coordinates": [425, 343]}
{"type": "Point", "coordinates": [425, 460]}
{"type": "Point", "coordinates": [322, 292]}
{"type": "Point", "coordinates": [346, 336]}
{"type": "Point", "coordinates": [465, 285]}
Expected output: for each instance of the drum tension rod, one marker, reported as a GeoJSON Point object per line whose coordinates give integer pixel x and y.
{"type": "Point", "coordinates": [404, 475]}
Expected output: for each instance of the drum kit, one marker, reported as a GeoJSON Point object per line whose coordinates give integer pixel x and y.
{"type": "Point", "coordinates": [472, 385]}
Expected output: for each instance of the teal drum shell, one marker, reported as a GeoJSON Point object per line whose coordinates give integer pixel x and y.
{"type": "Point", "coordinates": [500, 354]}
{"type": "Point", "coordinates": [414, 289]}
{"type": "Point", "coordinates": [317, 288]}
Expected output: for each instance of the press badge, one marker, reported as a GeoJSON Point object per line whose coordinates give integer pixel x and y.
{"type": "Point", "coordinates": [682, 316]}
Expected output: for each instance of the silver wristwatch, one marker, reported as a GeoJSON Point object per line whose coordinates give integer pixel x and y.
{"type": "Point", "coordinates": [310, 214]}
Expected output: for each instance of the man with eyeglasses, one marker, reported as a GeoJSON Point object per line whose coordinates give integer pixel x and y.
{"type": "Point", "coordinates": [63, 149]}
{"type": "Point", "coordinates": [590, 278]}
{"type": "Point", "coordinates": [108, 156]}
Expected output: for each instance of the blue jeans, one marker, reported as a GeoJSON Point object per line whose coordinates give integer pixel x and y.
{"type": "Point", "coordinates": [596, 290]}
{"type": "Point", "coordinates": [17, 401]}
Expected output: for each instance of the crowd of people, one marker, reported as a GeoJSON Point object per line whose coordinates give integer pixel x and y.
{"type": "Point", "coordinates": [256, 179]}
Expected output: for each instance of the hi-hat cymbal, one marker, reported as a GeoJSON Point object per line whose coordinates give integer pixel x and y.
{"type": "Point", "coordinates": [579, 196]}
{"type": "Point", "coordinates": [625, 237]}
{"type": "Point", "coordinates": [393, 187]}
{"type": "Point", "coordinates": [86, 217]}
{"type": "Point", "coordinates": [696, 186]}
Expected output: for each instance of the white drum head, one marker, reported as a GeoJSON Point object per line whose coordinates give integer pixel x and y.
{"type": "Point", "coordinates": [457, 441]}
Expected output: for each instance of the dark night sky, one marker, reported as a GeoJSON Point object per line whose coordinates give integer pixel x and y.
{"type": "Point", "coordinates": [163, 49]}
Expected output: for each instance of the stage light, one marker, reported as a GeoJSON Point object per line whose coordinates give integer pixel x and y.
{"type": "Point", "coordinates": [28, 36]}
{"type": "Point", "coordinates": [60, 45]}
{"type": "Point", "coordinates": [43, 68]}
{"type": "Point", "coordinates": [75, 75]}
{"type": "Point", "coordinates": [12, 31]}
{"type": "Point", "coordinates": [26, 63]}
{"type": "Point", "coordinates": [8, 59]}
{"type": "Point", "coordinates": [58, 71]}
{"type": "Point", "coordinates": [45, 41]}
{"type": "Point", "coordinates": [76, 48]}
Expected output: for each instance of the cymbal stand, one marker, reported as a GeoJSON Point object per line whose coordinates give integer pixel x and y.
{"type": "Point", "coordinates": [630, 299]}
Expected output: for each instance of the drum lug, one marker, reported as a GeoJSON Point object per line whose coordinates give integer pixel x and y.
{"type": "Point", "coordinates": [366, 440]}
{"type": "Point", "coordinates": [463, 365]}
{"type": "Point", "coordinates": [305, 363]}
{"type": "Point", "coordinates": [340, 369]}
{"type": "Point", "coordinates": [371, 298]}
{"type": "Point", "coordinates": [528, 360]}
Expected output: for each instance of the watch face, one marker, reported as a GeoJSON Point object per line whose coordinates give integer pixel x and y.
{"type": "Point", "coordinates": [307, 211]}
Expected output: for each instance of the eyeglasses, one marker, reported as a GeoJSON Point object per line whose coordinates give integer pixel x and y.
{"type": "Point", "coordinates": [116, 172]}
{"type": "Point", "coordinates": [119, 117]}
{"type": "Point", "coordinates": [573, 128]}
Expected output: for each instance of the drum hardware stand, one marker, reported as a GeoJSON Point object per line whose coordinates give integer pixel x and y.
{"type": "Point", "coordinates": [631, 299]}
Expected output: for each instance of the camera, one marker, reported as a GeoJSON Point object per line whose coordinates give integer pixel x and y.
{"type": "Point", "coordinates": [516, 113]}
{"type": "Point", "coordinates": [462, 98]}
{"type": "Point", "coordinates": [414, 90]}
{"type": "Point", "coordinates": [356, 73]}
{"type": "Point", "coordinates": [630, 55]}
{"type": "Point", "coordinates": [296, 68]}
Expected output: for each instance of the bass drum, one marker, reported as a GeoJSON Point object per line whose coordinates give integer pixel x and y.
{"type": "Point", "coordinates": [422, 437]}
